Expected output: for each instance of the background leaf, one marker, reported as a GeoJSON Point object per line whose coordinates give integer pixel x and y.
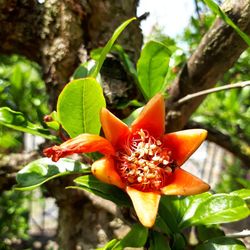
{"type": "Point", "coordinates": [152, 68]}
{"type": "Point", "coordinates": [242, 193]}
{"type": "Point", "coordinates": [158, 241]}
{"type": "Point", "coordinates": [42, 170]}
{"type": "Point", "coordinates": [79, 106]}
{"type": "Point", "coordinates": [17, 121]}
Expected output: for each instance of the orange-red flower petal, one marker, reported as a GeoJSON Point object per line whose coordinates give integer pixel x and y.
{"type": "Point", "coordinates": [114, 129]}
{"type": "Point", "coordinates": [184, 143]}
{"type": "Point", "coordinates": [183, 183]}
{"type": "Point", "coordinates": [84, 143]}
{"type": "Point", "coordinates": [145, 205]}
{"type": "Point", "coordinates": [152, 117]}
{"type": "Point", "coordinates": [104, 170]}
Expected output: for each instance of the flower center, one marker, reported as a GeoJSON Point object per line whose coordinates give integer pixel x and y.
{"type": "Point", "coordinates": [144, 163]}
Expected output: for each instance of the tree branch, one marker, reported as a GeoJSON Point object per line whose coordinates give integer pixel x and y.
{"type": "Point", "coordinates": [222, 140]}
{"type": "Point", "coordinates": [213, 90]}
{"type": "Point", "coordinates": [219, 49]}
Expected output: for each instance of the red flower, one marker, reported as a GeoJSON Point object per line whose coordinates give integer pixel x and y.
{"type": "Point", "coordinates": [140, 159]}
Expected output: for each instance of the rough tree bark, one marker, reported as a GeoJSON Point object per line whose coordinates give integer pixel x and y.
{"type": "Point", "coordinates": [58, 34]}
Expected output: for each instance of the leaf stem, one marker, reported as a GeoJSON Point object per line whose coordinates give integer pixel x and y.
{"type": "Point", "coordinates": [213, 90]}
{"type": "Point", "coordinates": [242, 234]}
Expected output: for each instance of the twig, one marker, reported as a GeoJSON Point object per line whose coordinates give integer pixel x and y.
{"type": "Point", "coordinates": [213, 90]}
{"type": "Point", "coordinates": [242, 234]}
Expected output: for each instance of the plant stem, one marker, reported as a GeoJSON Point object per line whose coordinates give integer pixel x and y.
{"type": "Point", "coordinates": [212, 90]}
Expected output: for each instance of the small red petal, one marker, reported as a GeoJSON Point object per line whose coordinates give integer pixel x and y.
{"type": "Point", "coordinates": [183, 183]}
{"type": "Point", "coordinates": [145, 205]}
{"type": "Point", "coordinates": [152, 117]}
{"type": "Point", "coordinates": [104, 170]}
{"type": "Point", "coordinates": [84, 143]}
{"type": "Point", "coordinates": [184, 143]}
{"type": "Point", "coordinates": [114, 129]}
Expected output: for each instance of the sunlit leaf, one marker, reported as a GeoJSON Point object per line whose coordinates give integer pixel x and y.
{"type": "Point", "coordinates": [220, 208]}
{"type": "Point", "coordinates": [222, 243]}
{"type": "Point", "coordinates": [17, 121]}
{"type": "Point", "coordinates": [79, 105]}
{"type": "Point", "coordinates": [108, 47]}
{"type": "Point", "coordinates": [42, 170]}
{"type": "Point", "coordinates": [242, 193]}
{"type": "Point", "coordinates": [106, 191]}
{"type": "Point", "coordinates": [152, 68]}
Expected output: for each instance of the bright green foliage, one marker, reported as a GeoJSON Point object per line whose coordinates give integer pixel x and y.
{"type": "Point", "coordinates": [152, 68]}
{"type": "Point", "coordinates": [220, 208]}
{"type": "Point", "coordinates": [42, 170]}
{"type": "Point", "coordinates": [79, 105]}
{"type": "Point", "coordinates": [21, 89]}
{"type": "Point", "coordinates": [13, 217]}
{"type": "Point", "coordinates": [221, 244]}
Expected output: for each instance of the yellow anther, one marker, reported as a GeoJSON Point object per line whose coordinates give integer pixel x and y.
{"type": "Point", "coordinates": [139, 179]}
{"type": "Point", "coordinates": [158, 142]}
{"type": "Point", "coordinates": [165, 162]}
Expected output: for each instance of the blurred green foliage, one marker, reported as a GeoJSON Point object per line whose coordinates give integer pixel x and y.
{"type": "Point", "coordinates": [21, 89]}
{"type": "Point", "coordinates": [13, 217]}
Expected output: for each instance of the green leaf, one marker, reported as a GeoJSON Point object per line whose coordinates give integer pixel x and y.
{"type": "Point", "coordinates": [42, 170]}
{"type": "Point", "coordinates": [190, 204]}
{"type": "Point", "coordinates": [168, 213]}
{"type": "Point", "coordinates": [132, 116]}
{"type": "Point", "coordinates": [17, 121]}
{"type": "Point", "coordinates": [127, 63]}
{"type": "Point", "coordinates": [136, 237]}
{"type": "Point", "coordinates": [158, 241]}
{"type": "Point", "coordinates": [179, 242]}
{"type": "Point", "coordinates": [220, 208]}
{"type": "Point", "coordinates": [106, 191]}
{"type": "Point", "coordinates": [152, 68]}
{"type": "Point", "coordinates": [208, 232]}
{"type": "Point", "coordinates": [222, 243]}
{"type": "Point", "coordinates": [80, 72]}
{"type": "Point", "coordinates": [110, 245]}
{"type": "Point", "coordinates": [217, 10]}
{"type": "Point", "coordinates": [79, 105]}
{"type": "Point", "coordinates": [242, 193]}
{"type": "Point", "coordinates": [108, 47]}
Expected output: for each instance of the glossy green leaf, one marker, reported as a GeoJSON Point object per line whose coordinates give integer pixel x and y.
{"type": "Point", "coordinates": [217, 10]}
{"type": "Point", "coordinates": [106, 191]}
{"type": "Point", "coordinates": [189, 206]}
{"type": "Point", "coordinates": [222, 243]}
{"type": "Point", "coordinates": [42, 170]}
{"type": "Point", "coordinates": [79, 106]}
{"type": "Point", "coordinates": [17, 121]}
{"type": "Point", "coordinates": [220, 208]}
{"type": "Point", "coordinates": [136, 237]}
{"type": "Point", "coordinates": [152, 68]}
{"type": "Point", "coordinates": [158, 241]}
{"type": "Point", "coordinates": [108, 47]}
{"type": "Point", "coordinates": [242, 193]}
